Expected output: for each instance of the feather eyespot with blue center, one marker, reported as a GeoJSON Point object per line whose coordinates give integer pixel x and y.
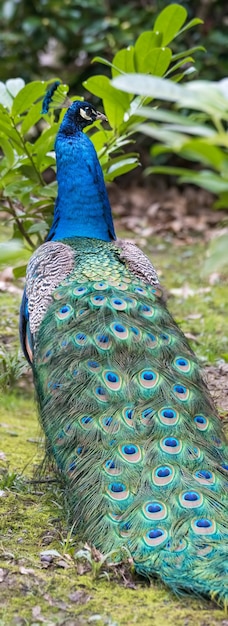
{"type": "Point", "coordinates": [147, 416]}
{"type": "Point", "coordinates": [72, 466]}
{"type": "Point", "coordinates": [47, 356]}
{"type": "Point", "coordinates": [151, 340]}
{"type": "Point", "coordinates": [109, 424]}
{"type": "Point", "coordinates": [130, 453]}
{"type": "Point", "coordinates": [119, 330]}
{"type": "Point", "coordinates": [79, 291]}
{"type": "Point", "coordinates": [165, 338]}
{"type": "Point", "coordinates": [58, 294]}
{"type": "Point", "coordinates": [86, 422]}
{"type": "Point", "coordinates": [111, 468]}
{"type": "Point", "coordinates": [122, 286]}
{"type": "Point", "coordinates": [124, 529]}
{"type": "Point", "coordinates": [156, 291]}
{"type": "Point", "coordinates": [155, 537]}
{"type": "Point", "coordinates": [118, 304]}
{"type": "Point", "coordinates": [205, 550]}
{"type": "Point", "coordinates": [112, 380]}
{"type": "Point", "coordinates": [203, 526]}
{"type": "Point", "coordinates": [98, 300]}
{"type": "Point", "coordinates": [100, 286]}
{"type": "Point", "coordinates": [216, 441]}
{"type": "Point", "coordinates": [201, 422]}
{"type": "Point", "coordinates": [155, 510]}
{"type": "Point", "coordinates": [128, 416]}
{"type": "Point", "coordinates": [168, 416]}
{"type": "Point", "coordinates": [100, 394]}
{"type": "Point", "coordinates": [65, 312]}
{"type": "Point", "coordinates": [225, 466]}
{"type": "Point", "coordinates": [190, 499]}
{"type": "Point", "coordinates": [75, 373]}
{"type": "Point", "coordinates": [163, 475]}
{"type": "Point", "coordinates": [93, 366]}
{"type": "Point", "coordinates": [136, 332]}
{"type": "Point", "coordinates": [115, 517]}
{"type": "Point", "coordinates": [60, 438]}
{"type": "Point", "coordinates": [194, 453]}
{"type": "Point", "coordinates": [181, 392]}
{"type": "Point", "coordinates": [171, 445]}
{"type": "Point", "coordinates": [118, 491]}
{"type": "Point", "coordinates": [146, 310]}
{"type": "Point", "coordinates": [54, 386]}
{"type": "Point", "coordinates": [205, 477]}
{"type": "Point", "coordinates": [182, 364]}
{"type": "Point", "coordinates": [80, 339]}
{"type": "Point", "coordinates": [103, 341]}
{"type": "Point", "coordinates": [148, 378]}
{"type": "Point", "coordinates": [140, 290]}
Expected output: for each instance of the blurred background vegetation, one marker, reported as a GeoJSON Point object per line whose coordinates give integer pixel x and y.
{"type": "Point", "coordinates": [44, 38]}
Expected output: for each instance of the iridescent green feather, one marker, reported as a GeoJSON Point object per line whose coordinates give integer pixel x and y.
{"type": "Point", "coordinates": [130, 424]}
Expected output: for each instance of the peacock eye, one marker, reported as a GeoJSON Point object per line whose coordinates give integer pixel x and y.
{"type": "Point", "coordinates": [86, 113]}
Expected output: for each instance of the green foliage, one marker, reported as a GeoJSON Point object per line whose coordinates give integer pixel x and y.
{"type": "Point", "coordinates": [12, 366]}
{"type": "Point", "coordinates": [38, 39]}
{"type": "Point", "coordinates": [194, 130]}
{"type": "Point", "coordinates": [27, 169]}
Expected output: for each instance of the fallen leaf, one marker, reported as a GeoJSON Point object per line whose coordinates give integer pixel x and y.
{"type": "Point", "coordinates": [26, 570]}
{"type": "Point", "coordinates": [79, 596]}
{"type": "Point", "coordinates": [3, 574]}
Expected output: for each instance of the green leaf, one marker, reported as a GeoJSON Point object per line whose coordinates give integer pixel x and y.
{"type": "Point", "coordinates": [157, 61]}
{"type": "Point", "coordinates": [222, 202]}
{"type": "Point", "coordinates": [123, 61]}
{"type": "Point", "coordinates": [14, 85]}
{"type": "Point", "coordinates": [9, 250]}
{"type": "Point", "coordinates": [20, 272]}
{"type": "Point", "coordinates": [121, 166]}
{"type": "Point", "coordinates": [41, 226]}
{"type": "Point", "coordinates": [115, 102]}
{"type": "Point", "coordinates": [33, 116]}
{"type": "Point", "coordinates": [218, 255]}
{"type": "Point", "coordinates": [185, 123]}
{"type": "Point", "coordinates": [102, 60]}
{"type": "Point", "coordinates": [181, 55]}
{"type": "Point", "coordinates": [195, 22]}
{"type": "Point", "coordinates": [169, 137]}
{"type": "Point", "coordinates": [45, 143]}
{"type": "Point", "coordinates": [28, 95]}
{"type": "Point", "coordinates": [176, 67]}
{"type": "Point", "coordinates": [144, 46]}
{"type": "Point", "coordinates": [154, 87]}
{"type": "Point", "coordinates": [206, 178]}
{"type": "Point", "coordinates": [169, 22]}
{"type": "Point", "coordinates": [5, 98]}
{"type": "Point", "coordinates": [7, 149]}
{"type": "Point", "coordinates": [200, 150]}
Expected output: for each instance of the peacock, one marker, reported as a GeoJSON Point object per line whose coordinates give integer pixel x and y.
{"type": "Point", "coordinates": [128, 420]}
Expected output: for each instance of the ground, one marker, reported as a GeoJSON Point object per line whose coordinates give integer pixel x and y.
{"type": "Point", "coordinates": [46, 576]}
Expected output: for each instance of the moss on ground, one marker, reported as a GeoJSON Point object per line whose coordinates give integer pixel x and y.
{"type": "Point", "coordinates": [55, 588]}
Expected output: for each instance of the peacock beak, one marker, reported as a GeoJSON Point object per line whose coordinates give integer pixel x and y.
{"type": "Point", "coordinates": [101, 116]}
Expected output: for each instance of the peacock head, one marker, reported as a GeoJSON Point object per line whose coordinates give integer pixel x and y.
{"type": "Point", "coordinates": [82, 114]}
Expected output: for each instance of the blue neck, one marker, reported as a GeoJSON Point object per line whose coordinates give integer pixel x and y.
{"type": "Point", "coordinates": [82, 206]}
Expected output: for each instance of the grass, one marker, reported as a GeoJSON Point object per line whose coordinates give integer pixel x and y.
{"type": "Point", "coordinates": [41, 578]}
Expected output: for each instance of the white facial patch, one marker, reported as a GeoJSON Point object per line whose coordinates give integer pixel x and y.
{"type": "Point", "coordinates": [84, 114]}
